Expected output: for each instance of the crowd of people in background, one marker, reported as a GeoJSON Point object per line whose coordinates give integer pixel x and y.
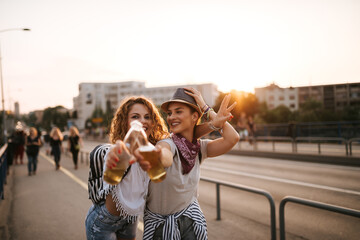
{"type": "Point", "coordinates": [30, 140]}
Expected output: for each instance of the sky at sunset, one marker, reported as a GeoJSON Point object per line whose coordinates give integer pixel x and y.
{"type": "Point", "coordinates": [235, 44]}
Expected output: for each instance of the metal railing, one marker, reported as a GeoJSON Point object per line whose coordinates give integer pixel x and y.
{"type": "Point", "coordinates": [310, 203]}
{"type": "Point", "coordinates": [295, 141]}
{"type": "Point", "coordinates": [82, 153]}
{"type": "Point", "coordinates": [320, 140]}
{"type": "Point", "coordinates": [350, 142]}
{"type": "Point", "coordinates": [273, 140]}
{"type": "Point", "coordinates": [248, 189]}
{"type": "Point", "coordinates": [3, 169]}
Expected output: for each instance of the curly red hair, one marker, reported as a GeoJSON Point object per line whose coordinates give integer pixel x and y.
{"type": "Point", "coordinates": [119, 124]}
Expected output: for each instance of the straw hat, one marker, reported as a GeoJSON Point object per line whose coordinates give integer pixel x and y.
{"type": "Point", "coordinates": [181, 97]}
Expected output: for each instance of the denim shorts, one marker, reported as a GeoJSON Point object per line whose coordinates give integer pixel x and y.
{"type": "Point", "coordinates": [100, 224]}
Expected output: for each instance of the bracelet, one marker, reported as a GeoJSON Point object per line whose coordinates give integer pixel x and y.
{"type": "Point", "coordinates": [204, 107]}
{"type": "Point", "coordinates": [207, 113]}
{"type": "Point", "coordinates": [211, 125]}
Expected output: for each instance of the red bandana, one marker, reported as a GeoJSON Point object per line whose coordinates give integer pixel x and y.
{"type": "Point", "coordinates": [187, 150]}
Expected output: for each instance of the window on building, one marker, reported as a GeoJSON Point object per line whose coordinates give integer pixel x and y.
{"type": "Point", "coordinates": [88, 98]}
{"type": "Point", "coordinates": [291, 97]}
{"type": "Point", "coordinates": [271, 98]}
{"type": "Point", "coordinates": [281, 98]}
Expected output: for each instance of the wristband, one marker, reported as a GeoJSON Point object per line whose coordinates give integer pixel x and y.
{"type": "Point", "coordinates": [207, 113]}
{"type": "Point", "coordinates": [211, 125]}
{"type": "Point", "coordinates": [204, 107]}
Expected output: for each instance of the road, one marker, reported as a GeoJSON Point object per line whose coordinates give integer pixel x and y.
{"type": "Point", "coordinates": [62, 196]}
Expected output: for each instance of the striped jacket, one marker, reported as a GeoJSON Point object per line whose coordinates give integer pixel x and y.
{"type": "Point", "coordinates": [97, 193]}
{"type": "Point", "coordinates": [171, 229]}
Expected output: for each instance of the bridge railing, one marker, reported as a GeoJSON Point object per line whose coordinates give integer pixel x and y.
{"type": "Point", "coordinates": [314, 204]}
{"type": "Point", "coordinates": [3, 169]}
{"type": "Point", "coordinates": [350, 143]}
{"type": "Point", "coordinates": [218, 183]}
{"type": "Point", "coordinates": [319, 141]}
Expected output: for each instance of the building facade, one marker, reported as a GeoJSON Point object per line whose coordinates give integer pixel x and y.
{"type": "Point", "coordinates": [98, 95]}
{"type": "Point", "coordinates": [275, 96]}
{"type": "Point", "coordinates": [333, 97]}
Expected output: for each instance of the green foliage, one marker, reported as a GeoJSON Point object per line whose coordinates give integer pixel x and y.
{"type": "Point", "coordinates": [55, 116]}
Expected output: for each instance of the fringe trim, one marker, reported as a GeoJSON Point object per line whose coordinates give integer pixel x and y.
{"type": "Point", "coordinates": [123, 213]}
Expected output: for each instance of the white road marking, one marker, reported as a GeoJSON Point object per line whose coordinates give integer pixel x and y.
{"type": "Point", "coordinates": [81, 183]}
{"type": "Point", "coordinates": [282, 180]}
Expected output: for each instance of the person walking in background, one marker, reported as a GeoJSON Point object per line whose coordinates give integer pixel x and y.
{"type": "Point", "coordinates": [10, 151]}
{"type": "Point", "coordinates": [242, 126]}
{"type": "Point", "coordinates": [46, 141]}
{"type": "Point", "coordinates": [56, 139]}
{"type": "Point", "coordinates": [252, 128]}
{"type": "Point", "coordinates": [19, 145]}
{"type": "Point", "coordinates": [173, 211]}
{"type": "Point", "coordinates": [74, 144]}
{"type": "Point", "coordinates": [33, 144]}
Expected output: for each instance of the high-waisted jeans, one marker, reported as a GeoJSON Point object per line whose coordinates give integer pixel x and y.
{"type": "Point", "coordinates": [100, 224]}
{"type": "Point", "coordinates": [32, 163]}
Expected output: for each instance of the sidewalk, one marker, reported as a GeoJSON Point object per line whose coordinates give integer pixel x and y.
{"type": "Point", "coordinates": [47, 205]}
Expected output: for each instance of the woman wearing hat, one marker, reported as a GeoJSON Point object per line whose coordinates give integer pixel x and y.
{"type": "Point", "coordinates": [172, 210]}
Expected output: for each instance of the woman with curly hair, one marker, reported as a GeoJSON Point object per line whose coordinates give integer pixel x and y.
{"type": "Point", "coordinates": [116, 208]}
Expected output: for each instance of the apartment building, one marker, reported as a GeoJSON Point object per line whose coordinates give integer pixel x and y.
{"type": "Point", "coordinates": [275, 96]}
{"type": "Point", "coordinates": [333, 97]}
{"type": "Point", "coordinates": [97, 95]}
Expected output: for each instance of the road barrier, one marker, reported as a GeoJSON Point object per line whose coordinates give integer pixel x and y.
{"type": "Point", "coordinates": [310, 203]}
{"type": "Point", "coordinates": [295, 141]}
{"type": "Point", "coordinates": [248, 189]}
{"type": "Point", "coordinates": [3, 169]}
{"type": "Point", "coordinates": [350, 142]}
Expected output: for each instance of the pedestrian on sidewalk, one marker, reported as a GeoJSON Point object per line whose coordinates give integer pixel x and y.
{"type": "Point", "coordinates": [116, 208]}
{"type": "Point", "coordinates": [10, 151]}
{"type": "Point", "coordinates": [33, 144]}
{"type": "Point", "coordinates": [172, 209]}
{"type": "Point", "coordinates": [19, 146]}
{"type": "Point", "coordinates": [56, 139]}
{"type": "Point", "coordinates": [74, 144]}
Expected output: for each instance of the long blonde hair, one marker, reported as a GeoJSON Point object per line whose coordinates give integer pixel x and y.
{"type": "Point", "coordinates": [73, 131]}
{"type": "Point", "coordinates": [32, 129]}
{"type": "Point", "coordinates": [56, 131]}
{"type": "Point", "coordinates": [119, 124]}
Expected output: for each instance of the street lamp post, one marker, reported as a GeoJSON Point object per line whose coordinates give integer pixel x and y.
{"type": "Point", "coordinates": [2, 84]}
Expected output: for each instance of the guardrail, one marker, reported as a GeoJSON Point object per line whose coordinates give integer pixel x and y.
{"type": "Point", "coordinates": [310, 203]}
{"type": "Point", "coordinates": [295, 141]}
{"type": "Point", "coordinates": [350, 142]}
{"type": "Point", "coordinates": [320, 140]}
{"type": "Point", "coordinates": [82, 153]}
{"type": "Point", "coordinates": [3, 169]}
{"type": "Point", "coordinates": [248, 189]}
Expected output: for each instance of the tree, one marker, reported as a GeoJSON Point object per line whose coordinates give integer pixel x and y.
{"type": "Point", "coordinates": [55, 116]}
{"type": "Point", "coordinates": [246, 102]}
